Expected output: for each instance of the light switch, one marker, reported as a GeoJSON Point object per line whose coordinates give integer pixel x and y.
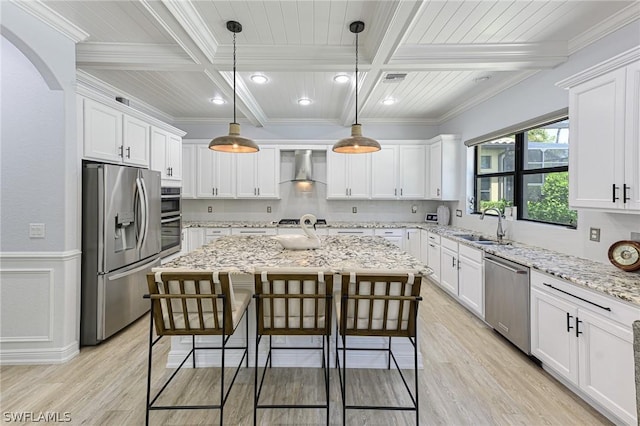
{"type": "Point", "coordinates": [594, 234]}
{"type": "Point", "coordinates": [36, 230]}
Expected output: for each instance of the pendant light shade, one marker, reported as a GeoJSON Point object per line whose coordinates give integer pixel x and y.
{"type": "Point", "coordinates": [356, 143]}
{"type": "Point", "coordinates": [233, 142]}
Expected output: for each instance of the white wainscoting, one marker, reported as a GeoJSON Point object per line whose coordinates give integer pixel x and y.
{"type": "Point", "coordinates": [39, 307]}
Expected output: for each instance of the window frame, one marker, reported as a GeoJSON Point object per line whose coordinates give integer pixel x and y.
{"type": "Point", "coordinates": [518, 173]}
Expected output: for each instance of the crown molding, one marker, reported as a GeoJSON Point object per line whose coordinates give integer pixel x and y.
{"type": "Point", "coordinates": [125, 55]}
{"type": "Point", "coordinates": [52, 18]}
{"type": "Point", "coordinates": [290, 58]}
{"type": "Point", "coordinates": [607, 26]}
{"type": "Point", "coordinates": [190, 20]}
{"type": "Point", "coordinates": [618, 61]}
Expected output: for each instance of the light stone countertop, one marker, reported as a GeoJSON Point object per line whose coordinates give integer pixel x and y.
{"type": "Point", "coordinates": [337, 253]}
{"type": "Point", "coordinates": [583, 272]}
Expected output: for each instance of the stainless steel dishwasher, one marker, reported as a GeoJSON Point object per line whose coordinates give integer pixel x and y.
{"type": "Point", "coordinates": [506, 298]}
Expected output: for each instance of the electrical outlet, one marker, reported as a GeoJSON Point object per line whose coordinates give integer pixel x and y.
{"type": "Point", "coordinates": [36, 230]}
{"type": "Point", "coordinates": [414, 209]}
{"type": "Point", "coordinates": [354, 210]}
{"type": "Point", "coordinates": [458, 213]}
{"type": "Point", "coordinates": [210, 209]}
{"type": "Point", "coordinates": [594, 234]}
{"type": "Point", "coordinates": [268, 209]}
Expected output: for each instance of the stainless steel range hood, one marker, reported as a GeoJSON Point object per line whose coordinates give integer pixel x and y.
{"type": "Point", "coordinates": [303, 171]}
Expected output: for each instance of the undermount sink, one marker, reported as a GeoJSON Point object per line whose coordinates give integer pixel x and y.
{"type": "Point", "coordinates": [475, 238]}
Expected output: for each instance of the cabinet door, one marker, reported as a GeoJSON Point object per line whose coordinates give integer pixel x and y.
{"type": "Point", "coordinates": [424, 247]}
{"type": "Point", "coordinates": [449, 270]}
{"type": "Point", "coordinates": [337, 175]}
{"type": "Point", "coordinates": [246, 176]}
{"type": "Point", "coordinates": [413, 242]}
{"type": "Point", "coordinates": [268, 173]}
{"type": "Point", "coordinates": [412, 172]}
{"type": "Point", "coordinates": [434, 261]}
{"type": "Point", "coordinates": [384, 165]}
{"type": "Point", "coordinates": [359, 178]}
{"type": "Point", "coordinates": [224, 171]}
{"type": "Point", "coordinates": [597, 120]}
{"type": "Point", "coordinates": [205, 160]}
{"type": "Point", "coordinates": [435, 171]}
{"type": "Point", "coordinates": [632, 137]}
{"type": "Point", "coordinates": [102, 132]}
{"type": "Point", "coordinates": [135, 141]}
{"type": "Point", "coordinates": [174, 157]}
{"type": "Point", "coordinates": [471, 285]}
{"type": "Point", "coordinates": [195, 238]}
{"type": "Point", "coordinates": [606, 364]}
{"type": "Point", "coordinates": [159, 140]}
{"type": "Point", "coordinates": [553, 333]}
{"type": "Point", "coordinates": [189, 171]}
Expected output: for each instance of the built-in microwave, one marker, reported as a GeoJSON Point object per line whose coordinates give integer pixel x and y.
{"type": "Point", "coordinates": [171, 221]}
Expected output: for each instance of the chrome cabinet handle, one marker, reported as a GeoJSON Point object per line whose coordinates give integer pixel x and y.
{"type": "Point", "coordinates": [258, 191]}
{"type": "Point", "coordinates": [569, 326]}
{"type": "Point", "coordinates": [578, 332]}
{"type": "Point", "coordinates": [395, 191]}
{"type": "Point", "coordinates": [121, 151]}
{"type": "Point", "coordinates": [613, 193]}
{"type": "Point", "coordinates": [401, 192]}
{"type": "Point", "coordinates": [128, 152]}
{"type": "Point", "coordinates": [624, 193]}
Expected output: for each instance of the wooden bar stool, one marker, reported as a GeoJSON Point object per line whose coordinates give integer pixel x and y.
{"type": "Point", "coordinates": [378, 304]}
{"type": "Point", "coordinates": [195, 303]}
{"type": "Point", "coordinates": [296, 303]}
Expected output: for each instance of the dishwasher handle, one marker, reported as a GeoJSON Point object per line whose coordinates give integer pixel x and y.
{"type": "Point", "coordinates": [502, 265]}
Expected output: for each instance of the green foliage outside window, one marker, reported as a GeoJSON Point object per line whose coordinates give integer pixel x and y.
{"type": "Point", "coordinates": [500, 204]}
{"type": "Point", "coordinates": [553, 205]}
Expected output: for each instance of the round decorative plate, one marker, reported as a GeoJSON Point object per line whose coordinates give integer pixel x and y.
{"type": "Point", "coordinates": [625, 255]}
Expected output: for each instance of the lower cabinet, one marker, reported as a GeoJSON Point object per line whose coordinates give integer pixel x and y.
{"type": "Point", "coordinates": [587, 339]}
{"type": "Point", "coordinates": [433, 256]}
{"type": "Point", "coordinates": [351, 231]}
{"type": "Point", "coordinates": [412, 242]}
{"type": "Point", "coordinates": [471, 279]}
{"type": "Point", "coordinates": [449, 265]}
{"type": "Point", "coordinates": [212, 234]}
{"type": "Point", "coordinates": [253, 231]}
{"type": "Point", "coordinates": [396, 236]}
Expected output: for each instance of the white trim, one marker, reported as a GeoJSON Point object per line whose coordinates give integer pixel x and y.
{"type": "Point", "coordinates": [39, 356]}
{"type": "Point", "coordinates": [143, 55]}
{"type": "Point", "coordinates": [618, 61]}
{"type": "Point", "coordinates": [190, 20]}
{"type": "Point", "coordinates": [40, 255]}
{"type": "Point", "coordinates": [604, 28]}
{"type": "Point", "coordinates": [52, 18]}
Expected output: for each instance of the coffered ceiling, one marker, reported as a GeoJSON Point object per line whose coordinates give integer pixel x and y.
{"type": "Point", "coordinates": [171, 57]}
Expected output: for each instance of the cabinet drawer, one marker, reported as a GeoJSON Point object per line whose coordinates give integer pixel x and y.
{"type": "Point", "coordinates": [433, 238]}
{"type": "Point", "coordinates": [601, 304]}
{"type": "Point", "coordinates": [389, 232]}
{"type": "Point", "coordinates": [351, 231]}
{"type": "Point", "coordinates": [214, 232]}
{"type": "Point", "coordinates": [253, 231]}
{"type": "Point", "coordinates": [470, 253]}
{"type": "Point", "coordinates": [450, 244]}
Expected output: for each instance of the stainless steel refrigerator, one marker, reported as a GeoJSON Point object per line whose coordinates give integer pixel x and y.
{"type": "Point", "coordinates": [120, 244]}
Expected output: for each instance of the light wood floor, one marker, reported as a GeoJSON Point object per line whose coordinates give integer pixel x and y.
{"type": "Point", "coordinates": [471, 376]}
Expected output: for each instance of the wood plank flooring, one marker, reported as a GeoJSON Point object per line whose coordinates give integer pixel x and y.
{"type": "Point", "coordinates": [471, 376]}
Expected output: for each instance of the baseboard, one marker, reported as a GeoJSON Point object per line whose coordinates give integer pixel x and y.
{"type": "Point", "coordinates": [39, 356]}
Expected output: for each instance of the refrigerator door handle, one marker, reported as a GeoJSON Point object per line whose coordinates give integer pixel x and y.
{"type": "Point", "coordinates": [143, 213]}
{"type": "Point", "coordinates": [146, 211]}
{"type": "Point", "coordinates": [134, 270]}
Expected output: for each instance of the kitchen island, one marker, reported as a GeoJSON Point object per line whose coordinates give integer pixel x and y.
{"type": "Point", "coordinates": [245, 254]}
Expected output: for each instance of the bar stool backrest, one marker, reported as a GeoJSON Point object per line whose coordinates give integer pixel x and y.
{"type": "Point", "coordinates": [194, 296]}
{"type": "Point", "coordinates": [294, 302]}
{"type": "Point", "coordinates": [379, 304]}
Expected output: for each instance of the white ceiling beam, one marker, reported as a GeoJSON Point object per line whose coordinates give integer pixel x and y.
{"type": "Point", "coordinates": [154, 56]}
{"type": "Point", "coordinates": [248, 106]}
{"type": "Point", "coordinates": [188, 17]}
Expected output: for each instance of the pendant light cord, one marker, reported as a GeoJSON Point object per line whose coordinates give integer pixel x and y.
{"type": "Point", "coordinates": [234, 77]}
{"type": "Point", "coordinates": [356, 78]}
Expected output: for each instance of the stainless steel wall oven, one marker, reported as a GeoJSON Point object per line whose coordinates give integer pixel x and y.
{"type": "Point", "coordinates": [171, 223]}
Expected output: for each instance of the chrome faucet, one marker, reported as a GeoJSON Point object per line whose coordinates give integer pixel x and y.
{"type": "Point", "coordinates": [500, 232]}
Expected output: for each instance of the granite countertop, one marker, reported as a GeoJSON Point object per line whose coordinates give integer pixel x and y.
{"type": "Point", "coordinates": [583, 272]}
{"type": "Point", "coordinates": [337, 253]}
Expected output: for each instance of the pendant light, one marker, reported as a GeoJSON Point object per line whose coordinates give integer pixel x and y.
{"type": "Point", "coordinates": [233, 142]}
{"type": "Point", "coordinates": [356, 143]}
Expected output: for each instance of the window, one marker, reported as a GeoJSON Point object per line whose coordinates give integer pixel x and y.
{"type": "Point", "coordinates": [531, 172]}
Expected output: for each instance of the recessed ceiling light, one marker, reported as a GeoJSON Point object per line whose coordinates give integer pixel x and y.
{"type": "Point", "coordinates": [217, 101]}
{"type": "Point", "coordinates": [304, 101]}
{"type": "Point", "coordinates": [341, 78]}
{"type": "Point", "coordinates": [388, 101]}
{"type": "Point", "coordinates": [259, 78]}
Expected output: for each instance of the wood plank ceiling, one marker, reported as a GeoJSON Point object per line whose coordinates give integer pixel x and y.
{"type": "Point", "coordinates": [170, 57]}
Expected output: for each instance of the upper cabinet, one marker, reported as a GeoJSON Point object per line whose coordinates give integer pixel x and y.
{"type": "Point", "coordinates": [257, 174]}
{"type": "Point", "coordinates": [443, 161]}
{"type": "Point", "coordinates": [188, 171]}
{"type": "Point", "coordinates": [398, 172]}
{"type": "Point", "coordinates": [348, 176]}
{"type": "Point", "coordinates": [215, 173]}
{"type": "Point", "coordinates": [114, 133]}
{"type": "Point", "coordinates": [604, 123]}
{"type": "Point", "coordinates": [166, 155]}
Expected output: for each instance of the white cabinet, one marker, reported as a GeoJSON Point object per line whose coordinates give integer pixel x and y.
{"type": "Point", "coordinates": [433, 241]}
{"type": "Point", "coordinates": [215, 173]}
{"type": "Point", "coordinates": [348, 176]}
{"type": "Point", "coordinates": [449, 265]}
{"type": "Point", "coordinates": [112, 136]}
{"type": "Point", "coordinates": [424, 246]}
{"type": "Point", "coordinates": [195, 239]}
{"type": "Point", "coordinates": [412, 242]}
{"type": "Point", "coordinates": [212, 234]}
{"type": "Point", "coordinates": [471, 279]}
{"type": "Point", "coordinates": [253, 231]}
{"type": "Point", "coordinates": [443, 167]}
{"type": "Point", "coordinates": [257, 174]}
{"type": "Point", "coordinates": [351, 231]}
{"type": "Point", "coordinates": [166, 155]}
{"type": "Point", "coordinates": [188, 171]}
{"type": "Point", "coordinates": [604, 106]}
{"type": "Point", "coordinates": [396, 236]}
{"type": "Point", "coordinates": [586, 338]}
{"type": "Point", "coordinates": [398, 172]}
